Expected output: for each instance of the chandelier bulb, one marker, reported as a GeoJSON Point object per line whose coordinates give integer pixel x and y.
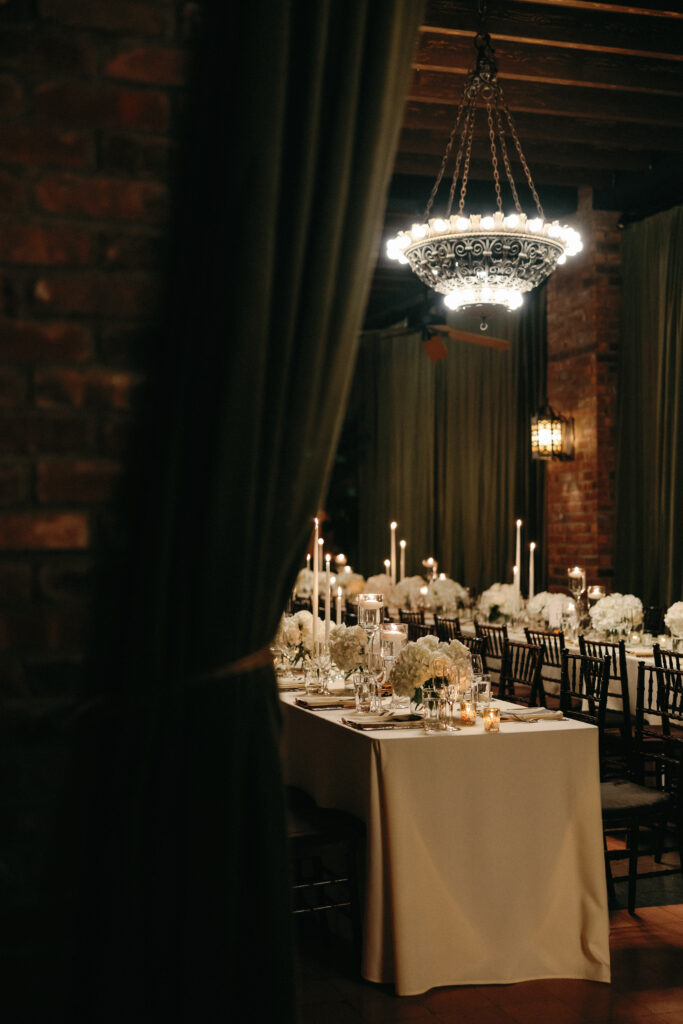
{"type": "Point", "coordinates": [483, 326]}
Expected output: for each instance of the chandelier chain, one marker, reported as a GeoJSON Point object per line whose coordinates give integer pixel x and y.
{"type": "Point", "coordinates": [506, 161]}
{"type": "Point", "coordinates": [466, 168]}
{"type": "Point", "coordinates": [494, 157]}
{"type": "Point", "coordinates": [442, 169]}
{"type": "Point", "coordinates": [458, 159]}
{"type": "Point", "coordinates": [518, 147]}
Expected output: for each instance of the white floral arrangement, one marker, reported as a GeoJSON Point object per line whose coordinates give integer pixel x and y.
{"type": "Point", "coordinates": [616, 613]}
{"type": "Point", "coordinates": [444, 597]}
{"type": "Point", "coordinates": [673, 620]}
{"type": "Point", "coordinates": [295, 634]}
{"type": "Point", "coordinates": [407, 593]}
{"type": "Point", "coordinates": [380, 585]}
{"type": "Point", "coordinates": [547, 608]}
{"type": "Point", "coordinates": [347, 647]}
{"type": "Point", "coordinates": [352, 583]}
{"type": "Point", "coordinates": [415, 663]}
{"type": "Point", "coordinates": [498, 602]}
{"type": "Point", "coordinates": [303, 585]}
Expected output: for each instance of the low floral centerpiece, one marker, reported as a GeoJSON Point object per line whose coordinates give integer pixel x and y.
{"type": "Point", "coordinates": [673, 620]}
{"type": "Point", "coordinates": [546, 608]}
{"type": "Point", "coordinates": [352, 583]}
{"type": "Point", "coordinates": [417, 663]}
{"type": "Point", "coordinates": [380, 584]}
{"type": "Point", "coordinates": [445, 596]}
{"type": "Point", "coordinates": [295, 637]}
{"type": "Point", "coordinates": [497, 604]}
{"type": "Point", "coordinates": [408, 593]}
{"type": "Point", "coordinates": [347, 648]}
{"type": "Point", "coordinates": [616, 614]}
{"type": "Point", "coordinates": [303, 585]}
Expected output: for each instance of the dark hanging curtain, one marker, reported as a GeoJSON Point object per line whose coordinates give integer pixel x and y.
{"type": "Point", "coordinates": [649, 484]}
{"type": "Point", "coordinates": [180, 882]}
{"type": "Point", "coordinates": [444, 447]}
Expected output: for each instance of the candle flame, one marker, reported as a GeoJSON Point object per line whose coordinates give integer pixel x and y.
{"type": "Point", "coordinates": [519, 522]}
{"type": "Point", "coordinates": [393, 525]}
{"type": "Point", "coordinates": [533, 545]}
{"type": "Point", "coordinates": [401, 543]}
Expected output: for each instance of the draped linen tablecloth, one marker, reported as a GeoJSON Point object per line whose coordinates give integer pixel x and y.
{"type": "Point", "coordinates": [484, 861]}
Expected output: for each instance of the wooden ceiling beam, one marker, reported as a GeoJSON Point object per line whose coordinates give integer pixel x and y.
{"type": "Point", "coordinates": [526, 62]}
{"type": "Point", "coordinates": [434, 117]}
{"type": "Point", "coordinates": [558, 100]}
{"type": "Point", "coordinates": [536, 151]}
{"type": "Point", "coordinates": [543, 173]}
{"type": "Point", "coordinates": [588, 28]}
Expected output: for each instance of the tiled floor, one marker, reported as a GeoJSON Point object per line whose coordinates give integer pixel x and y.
{"type": "Point", "coordinates": [647, 982]}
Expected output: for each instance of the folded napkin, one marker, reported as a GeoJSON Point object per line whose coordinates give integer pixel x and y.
{"type": "Point", "coordinates": [640, 652]}
{"type": "Point", "coordinates": [387, 721]}
{"type": "Point", "coordinates": [529, 715]}
{"type": "Point", "coordinates": [325, 702]}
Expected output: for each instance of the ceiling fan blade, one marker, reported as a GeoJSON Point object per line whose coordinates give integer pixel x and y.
{"type": "Point", "coordinates": [471, 338]}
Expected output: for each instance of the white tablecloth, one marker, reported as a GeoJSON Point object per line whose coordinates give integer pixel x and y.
{"type": "Point", "coordinates": [484, 852]}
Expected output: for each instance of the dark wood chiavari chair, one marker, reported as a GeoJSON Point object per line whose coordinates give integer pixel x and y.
{"type": "Point", "coordinates": [447, 628]}
{"type": "Point", "coordinates": [651, 795]}
{"type": "Point", "coordinates": [415, 618]}
{"type": "Point", "coordinates": [667, 659]}
{"type": "Point", "coordinates": [476, 645]}
{"type": "Point", "coordinates": [301, 604]}
{"type": "Point", "coordinates": [584, 686]}
{"type": "Point", "coordinates": [495, 637]}
{"type": "Point", "coordinates": [618, 720]}
{"type": "Point", "coordinates": [653, 619]}
{"type": "Point", "coordinates": [552, 642]}
{"type": "Point", "coordinates": [415, 631]}
{"type": "Point", "coordinates": [520, 675]}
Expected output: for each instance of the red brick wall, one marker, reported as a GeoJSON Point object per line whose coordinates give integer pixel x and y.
{"type": "Point", "coordinates": [91, 96]}
{"type": "Point", "coordinates": [583, 332]}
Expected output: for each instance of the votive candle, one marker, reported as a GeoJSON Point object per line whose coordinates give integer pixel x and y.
{"type": "Point", "coordinates": [468, 712]}
{"type": "Point", "coordinates": [491, 719]}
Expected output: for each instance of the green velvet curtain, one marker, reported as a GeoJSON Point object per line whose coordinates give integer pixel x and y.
{"type": "Point", "coordinates": [445, 447]}
{"type": "Point", "coordinates": [181, 880]}
{"type": "Point", "coordinates": [649, 534]}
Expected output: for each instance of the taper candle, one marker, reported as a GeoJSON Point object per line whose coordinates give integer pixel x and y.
{"type": "Point", "coordinates": [402, 570]}
{"type": "Point", "coordinates": [532, 548]}
{"type": "Point", "coordinates": [339, 605]}
{"type": "Point", "coordinates": [328, 584]}
{"type": "Point", "coordinates": [515, 580]}
{"type": "Point", "coordinates": [314, 599]}
{"type": "Point", "coordinates": [392, 528]}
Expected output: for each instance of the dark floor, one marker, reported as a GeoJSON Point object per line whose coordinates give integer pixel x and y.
{"type": "Point", "coordinates": [647, 977]}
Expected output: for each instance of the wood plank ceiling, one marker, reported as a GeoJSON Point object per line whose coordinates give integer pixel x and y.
{"type": "Point", "coordinates": [596, 91]}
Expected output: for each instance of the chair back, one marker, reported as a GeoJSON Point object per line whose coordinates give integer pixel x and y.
{"type": "Point", "coordinates": [658, 740]}
{"type": "Point", "coordinates": [351, 618]}
{"type": "Point", "coordinates": [495, 637]}
{"type": "Point", "coordinates": [520, 675]}
{"type": "Point", "coordinates": [584, 686]}
{"type": "Point", "coordinates": [447, 629]}
{"type": "Point", "coordinates": [476, 645]}
{"type": "Point", "coordinates": [301, 604]}
{"type": "Point", "coordinates": [412, 618]}
{"type": "Point", "coordinates": [552, 642]}
{"type": "Point", "coordinates": [618, 673]}
{"type": "Point", "coordinates": [416, 630]}
{"type": "Point", "coordinates": [667, 659]}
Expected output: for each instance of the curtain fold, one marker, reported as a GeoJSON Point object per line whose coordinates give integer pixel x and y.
{"type": "Point", "coordinates": [181, 881]}
{"type": "Point", "coordinates": [445, 447]}
{"type": "Point", "coordinates": [649, 472]}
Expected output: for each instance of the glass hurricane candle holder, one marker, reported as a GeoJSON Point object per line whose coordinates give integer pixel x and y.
{"type": "Point", "coordinates": [370, 611]}
{"type": "Point", "coordinates": [491, 719]}
{"type": "Point", "coordinates": [468, 712]}
{"type": "Point", "coordinates": [393, 637]}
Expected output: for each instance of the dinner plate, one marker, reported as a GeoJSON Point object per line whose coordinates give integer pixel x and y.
{"type": "Point", "coordinates": [368, 718]}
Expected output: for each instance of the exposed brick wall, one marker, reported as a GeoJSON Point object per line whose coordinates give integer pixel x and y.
{"type": "Point", "coordinates": [583, 334]}
{"type": "Point", "coordinates": [91, 100]}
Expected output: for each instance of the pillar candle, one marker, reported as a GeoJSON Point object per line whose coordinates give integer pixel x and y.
{"type": "Point", "coordinates": [339, 605]}
{"type": "Point", "coordinates": [402, 572]}
{"type": "Point", "coordinates": [314, 599]}
{"type": "Point", "coordinates": [392, 527]}
{"type": "Point", "coordinates": [532, 548]}
{"type": "Point", "coordinates": [328, 584]}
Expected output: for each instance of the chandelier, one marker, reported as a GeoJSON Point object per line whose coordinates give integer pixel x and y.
{"type": "Point", "coordinates": [491, 258]}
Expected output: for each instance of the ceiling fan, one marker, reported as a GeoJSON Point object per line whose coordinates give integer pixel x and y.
{"type": "Point", "coordinates": [427, 319]}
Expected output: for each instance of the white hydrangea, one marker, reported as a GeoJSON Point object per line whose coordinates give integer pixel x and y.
{"type": "Point", "coordinates": [407, 593]}
{"type": "Point", "coordinates": [347, 647]}
{"type": "Point", "coordinates": [445, 596]}
{"type": "Point", "coordinates": [673, 619]}
{"type": "Point", "coordinates": [295, 632]}
{"type": "Point", "coordinates": [415, 663]}
{"type": "Point", "coordinates": [616, 613]}
{"type": "Point", "coordinates": [547, 607]}
{"type": "Point", "coordinates": [498, 602]}
{"type": "Point", "coordinates": [380, 584]}
{"type": "Point", "coordinates": [352, 583]}
{"type": "Point", "coordinates": [303, 586]}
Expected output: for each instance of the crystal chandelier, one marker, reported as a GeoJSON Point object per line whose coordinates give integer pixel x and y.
{"type": "Point", "coordinates": [493, 258]}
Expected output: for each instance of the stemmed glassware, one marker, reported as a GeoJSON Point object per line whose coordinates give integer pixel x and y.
{"type": "Point", "coordinates": [393, 637]}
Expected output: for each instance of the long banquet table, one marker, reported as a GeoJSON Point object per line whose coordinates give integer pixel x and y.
{"type": "Point", "coordinates": [484, 854]}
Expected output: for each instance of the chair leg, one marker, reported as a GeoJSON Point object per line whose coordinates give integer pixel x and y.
{"type": "Point", "coordinates": [633, 866]}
